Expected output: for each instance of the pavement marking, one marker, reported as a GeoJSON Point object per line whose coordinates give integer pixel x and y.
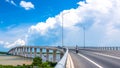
{"type": "Point", "coordinates": [69, 62]}
{"type": "Point", "coordinates": [107, 55]}
{"type": "Point", "coordinates": [90, 60]}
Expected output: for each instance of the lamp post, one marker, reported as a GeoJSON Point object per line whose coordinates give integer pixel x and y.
{"type": "Point", "coordinates": [83, 27]}
{"type": "Point", "coordinates": [83, 36]}
{"type": "Point", "coordinates": [62, 24]}
{"type": "Point", "coordinates": [62, 30]}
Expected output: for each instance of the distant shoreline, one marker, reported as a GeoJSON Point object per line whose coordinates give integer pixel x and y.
{"type": "Point", "coordinates": [3, 52]}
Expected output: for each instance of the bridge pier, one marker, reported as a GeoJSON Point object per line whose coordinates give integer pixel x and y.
{"type": "Point", "coordinates": [41, 52]}
{"type": "Point", "coordinates": [20, 51]}
{"type": "Point", "coordinates": [47, 54]}
{"type": "Point", "coordinates": [61, 55]}
{"type": "Point", "coordinates": [15, 51]}
{"type": "Point", "coordinates": [30, 52]}
{"type": "Point", "coordinates": [24, 52]}
{"type": "Point", "coordinates": [27, 52]}
{"type": "Point", "coordinates": [54, 55]}
{"type": "Point", "coordinates": [35, 50]}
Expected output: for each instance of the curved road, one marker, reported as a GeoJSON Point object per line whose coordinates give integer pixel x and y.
{"type": "Point", "coordinates": [90, 59]}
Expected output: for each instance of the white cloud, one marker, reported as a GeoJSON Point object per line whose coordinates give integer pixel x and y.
{"type": "Point", "coordinates": [11, 2]}
{"type": "Point", "coordinates": [18, 42]}
{"type": "Point", "coordinates": [99, 18]}
{"type": "Point", "coordinates": [7, 0]}
{"type": "Point", "coordinates": [26, 5]}
{"type": "Point", "coordinates": [42, 27]}
{"type": "Point", "coordinates": [1, 42]}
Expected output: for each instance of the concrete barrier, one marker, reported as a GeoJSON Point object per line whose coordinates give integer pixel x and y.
{"type": "Point", "coordinates": [62, 62]}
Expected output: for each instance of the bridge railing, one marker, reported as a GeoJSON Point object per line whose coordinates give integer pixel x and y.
{"type": "Point", "coordinates": [102, 48]}
{"type": "Point", "coordinates": [62, 62]}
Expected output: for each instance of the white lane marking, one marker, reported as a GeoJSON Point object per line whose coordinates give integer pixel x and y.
{"type": "Point", "coordinates": [72, 65]}
{"type": "Point", "coordinates": [69, 62]}
{"type": "Point", "coordinates": [90, 60]}
{"type": "Point", "coordinates": [107, 55]}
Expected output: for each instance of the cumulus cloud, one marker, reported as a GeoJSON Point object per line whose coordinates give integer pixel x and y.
{"type": "Point", "coordinates": [44, 32]}
{"type": "Point", "coordinates": [1, 42]}
{"type": "Point", "coordinates": [26, 5]}
{"type": "Point", "coordinates": [100, 19]}
{"type": "Point", "coordinates": [11, 2]}
{"type": "Point", "coordinates": [18, 42]}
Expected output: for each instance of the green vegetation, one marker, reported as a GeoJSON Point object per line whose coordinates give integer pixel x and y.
{"type": "Point", "coordinates": [37, 63]}
{"type": "Point", "coordinates": [3, 52]}
{"type": "Point", "coordinates": [44, 53]}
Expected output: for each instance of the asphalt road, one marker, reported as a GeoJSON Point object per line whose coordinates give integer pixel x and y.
{"type": "Point", "coordinates": [90, 59]}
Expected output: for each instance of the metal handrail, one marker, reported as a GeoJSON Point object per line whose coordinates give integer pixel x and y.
{"type": "Point", "coordinates": [62, 62]}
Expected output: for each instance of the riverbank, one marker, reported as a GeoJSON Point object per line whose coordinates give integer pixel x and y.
{"type": "Point", "coordinates": [36, 63]}
{"type": "Point", "coordinates": [14, 60]}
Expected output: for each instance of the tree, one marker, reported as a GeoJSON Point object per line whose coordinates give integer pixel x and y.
{"type": "Point", "coordinates": [37, 61]}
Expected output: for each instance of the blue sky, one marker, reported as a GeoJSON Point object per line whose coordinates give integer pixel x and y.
{"type": "Point", "coordinates": [15, 15]}
{"type": "Point", "coordinates": [38, 22]}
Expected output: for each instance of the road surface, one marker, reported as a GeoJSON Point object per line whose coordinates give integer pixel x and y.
{"type": "Point", "coordinates": [92, 59]}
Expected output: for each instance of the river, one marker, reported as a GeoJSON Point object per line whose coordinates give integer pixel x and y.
{"type": "Point", "coordinates": [16, 60]}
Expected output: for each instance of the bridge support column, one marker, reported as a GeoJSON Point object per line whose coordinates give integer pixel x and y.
{"type": "Point", "coordinates": [61, 55]}
{"type": "Point", "coordinates": [54, 55]}
{"type": "Point", "coordinates": [16, 51]}
{"type": "Point", "coordinates": [30, 52]}
{"type": "Point", "coordinates": [41, 52]}
{"type": "Point", "coordinates": [13, 51]}
{"type": "Point", "coordinates": [20, 51]}
{"type": "Point", "coordinates": [27, 52]}
{"type": "Point", "coordinates": [24, 51]}
{"type": "Point", "coordinates": [47, 54]}
{"type": "Point", "coordinates": [35, 50]}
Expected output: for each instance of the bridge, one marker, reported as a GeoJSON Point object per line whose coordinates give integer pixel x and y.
{"type": "Point", "coordinates": [88, 57]}
{"type": "Point", "coordinates": [32, 51]}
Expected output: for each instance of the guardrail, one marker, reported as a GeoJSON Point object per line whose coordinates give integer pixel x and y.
{"type": "Point", "coordinates": [62, 62]}
{"type": "Point", "coordinates": [102, 48]}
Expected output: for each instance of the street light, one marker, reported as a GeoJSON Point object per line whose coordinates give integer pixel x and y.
{"type": "Point", "coordinates": [84, 36]}
{"type": "Point", "coordinates": [83, 27]}
{"type": "Point", "coordinates": [62, 30]}
{"type": "Point", "coordinates": [63, 27]}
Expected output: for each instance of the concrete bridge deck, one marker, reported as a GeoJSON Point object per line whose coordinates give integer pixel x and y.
{"type": "Point", "coordinates": [32, 51]}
